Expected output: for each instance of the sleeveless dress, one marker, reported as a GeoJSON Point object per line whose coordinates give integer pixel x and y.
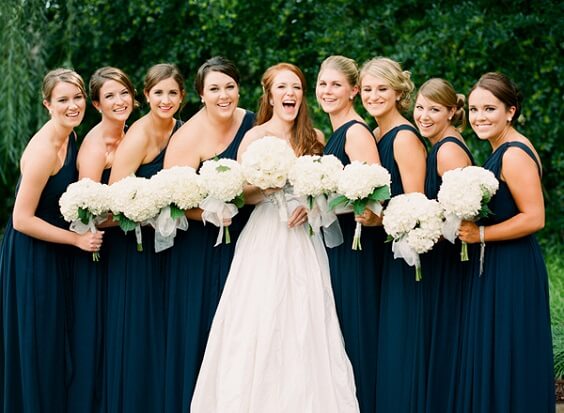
{"type": "Point", "coordinates": [86, 334]}
{"type": "Point", "coordinates": [445, 278]}
{"type": "Point", "coordinates": [507, 364]}
{"type": "Point", "coordinates": [275, 345]}
{"type": "Point", "coordinates": [400, 382]}
{"type": "Point", "coordinates": [136, 329]}
{"type": "Point", "coordinates": [355, 277]}
{"type": "Point", "coordinates": [34, 360]}
{"type": "Point", "coordinates": [197, 275]}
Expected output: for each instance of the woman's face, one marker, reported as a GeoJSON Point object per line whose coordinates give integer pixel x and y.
{"type": "Point", "coordinates": [432, 118]}
{"type": "Point", "coordinates": [165, 98]}
{"type": "Point", "coordinates": [378, 97]}
{"type": "Point", "coordinates": [115, 102]}
{"type": "Point", "coordinates": [333, 91]}
{"type": "Point", "coordinates": [489, 117]}
{"type": "Point", "coordinates": [286, 95]}
{"type": "Point", "coordinates": [67, 104]}
{"type": "Point", "coordinates": [220, 94]}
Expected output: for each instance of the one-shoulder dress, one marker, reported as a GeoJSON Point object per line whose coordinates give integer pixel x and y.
{"type": "Point", "coordinates": [197, 274]}
{"type": "Point", "coordinates": [135, 318]}
{"type": "Point", "coordinates": [35, 365]}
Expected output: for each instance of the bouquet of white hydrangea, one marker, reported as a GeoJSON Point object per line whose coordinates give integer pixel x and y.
{"type": "Point", "coordinates": [267, 162]}
{"type": "Point", "coordinates": [314, 177]}
{"type": "Point", "coordinates": [464, 195]}
{"type": "Point", "coordinates": [222, 180]}
{"type": "Point", "coordinates": [362, 186]}
{"type": "Point", "coordinates": [177, 189]}
{"type": "Point", "coordinates": [85, 204]}
{"type": "Point", "coordinates": [414, 223]}
{"type": "Point", "coordinates": [133, 203]}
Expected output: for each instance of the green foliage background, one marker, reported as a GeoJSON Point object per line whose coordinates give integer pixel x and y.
{"type": "Point", "coordinates": [455, 40]}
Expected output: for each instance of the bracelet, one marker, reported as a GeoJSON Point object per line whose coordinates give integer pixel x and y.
{"type": "Point", "coordinates": [482, 248]}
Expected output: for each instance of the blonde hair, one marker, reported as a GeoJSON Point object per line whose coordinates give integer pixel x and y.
{"type": "Point", "coordinates": [56, 76]}
{"type": "Point", "coordinates": [344, 65]}
{"type": "Point", "coordinates": [442, 92]}
{"type": "Point", "coordinates": [398, 79]}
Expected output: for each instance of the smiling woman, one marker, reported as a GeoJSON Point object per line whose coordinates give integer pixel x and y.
{"type": "Point", "coordinates": [35, 257]}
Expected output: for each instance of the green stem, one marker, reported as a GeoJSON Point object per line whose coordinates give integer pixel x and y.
{"type": "Point", "coordinates": [418, 274]}
{"type": "Point", "coordinates": [464, 252]}
{"type": "Point", "coordinates": [227, 236]}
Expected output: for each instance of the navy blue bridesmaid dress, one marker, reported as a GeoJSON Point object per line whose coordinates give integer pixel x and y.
{"type": "Point", "coordinates": [355, 279]}
{"type": "Point", "coordinates": [34, 360]}
{"type": "Point", "coordinates": [401, 381]}
{"type": "Point", "coordinates": [135, 318]}
{"type": "Point", "coordinates": [444, 282]}
{"type": "Point", "coordinates": [197, 274]}
{"type": "Point", "coordinates": [507, 361]}
{"type": "Point", "coordinates": [87, 327]}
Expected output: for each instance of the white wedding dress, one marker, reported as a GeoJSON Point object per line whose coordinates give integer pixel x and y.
{"type": "Point", "coordinates": [275, 344]}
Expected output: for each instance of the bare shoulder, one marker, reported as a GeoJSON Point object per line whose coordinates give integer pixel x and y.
{"type": "Point", "coordinates": [359, 131]}
{"type": "Point", "coordinates": [39, 153]}
{"type": "Point", "coordinates": [407, 138]}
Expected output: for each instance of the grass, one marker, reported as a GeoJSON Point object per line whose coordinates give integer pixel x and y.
{"type": "Point", "coordinates": [554, 256]}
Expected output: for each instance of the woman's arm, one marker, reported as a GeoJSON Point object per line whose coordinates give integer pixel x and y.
{"type": "Point", "coordinates": [360, 145]}
{"type": "Point", "coordinates": [130, 153]}
{"type": "Point", "coordinates": [39, 163]}
{"type": "Point", "coordinates": [520, 173]}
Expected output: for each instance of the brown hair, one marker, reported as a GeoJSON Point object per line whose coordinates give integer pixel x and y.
{"type": "Point", "coordinates": [502, 88]}
{"type": "Point", "coordinates": [303, 139]}
{"type": "Point", "coordinates": [160, 72]}
{"type": "Point", "coordinates": [344, 65]}
{"type": "Point", "coordinates": [106, 73]}
{"type": "Point", "coordinates": [55, 76]}
{"type": "Point", "coordinates": [215, 64]}
{"type": "Point", "coordinates": [442, 92]}
{"type": "Point", "coordinates": [398, 79]}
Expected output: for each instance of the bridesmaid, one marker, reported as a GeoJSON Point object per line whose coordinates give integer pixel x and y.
{"type": "Point", "coordinates": [34, 258]}
{"type": "Point", "coordinates": [136, 282]}
{"type": "Point", "coordinates": [386, 93]}
{"type": "Point", "coordinates": [113, 95]}
{"type": "Point", "coordinates": [198, 269]}
{"type": "Point", "coordinates": [507, 365]}
{"type": "Point", "coordinates": [355, 275]}
{"type": "Point", "coordinates": [439, 116]}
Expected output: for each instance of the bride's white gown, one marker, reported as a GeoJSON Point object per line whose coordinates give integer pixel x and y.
{"type": "Point", "coordinates": [275, 344]}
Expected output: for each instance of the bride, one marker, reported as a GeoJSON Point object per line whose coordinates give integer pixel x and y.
{"type": "Point", "coordinates": [275, 344]}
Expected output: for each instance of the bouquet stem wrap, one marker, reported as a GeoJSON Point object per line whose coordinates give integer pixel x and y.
{"type": "Point", "coordinates": [375, 207]}
{"type": "Point", "coordinates": [321, 217]}
{"type": "Point", "coordinates": [215, 211]}
{"type": "Point", "coordinates": [401, 249]}
{"type": "Point", "coordinates": [165, 228]}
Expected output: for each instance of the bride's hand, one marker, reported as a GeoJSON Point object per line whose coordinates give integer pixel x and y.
{"type": "Point", "coordinates": [269, 191]}
{"type": "Point", "coordinates": [298, 217]}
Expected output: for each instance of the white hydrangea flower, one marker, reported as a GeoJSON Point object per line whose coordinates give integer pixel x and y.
{"type": "Point", "coordinates": [179, 185]}
{"type": "Point", "coordinates": [222, 179]}
{"type": "Point", "coordinates": [314, 175]}
{"type": "Point", "coordinates": [414, 222]}
{"type": "Point", "coordinates": [358, 180]}
{"type": "Point", "coordinates": [267, 162]}
{"type": "Point", "coordinates": [87, 195]}
{"type": "Point", "coordinates": [134, 198]}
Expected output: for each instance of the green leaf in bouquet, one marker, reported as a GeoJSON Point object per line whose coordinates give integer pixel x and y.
{"type": "Point", "coordinates": [389, 238]}
{"type": "Point", "coordinates": [380, 194]}
{"type": "Point", "coordinates": [124, 223]}
{"type": "Point", "coordinates": [239, 200]}
{"type": "Point", "coordinates": [484, 211]}
{"type": "Point", "coordinates": [341, 199]}
{"type": "Point", "coordinates": [176, 212]}
{"type": "Point", "coordinates": [359, 206]}
{"type": "Point", "coordinates": [84, 215]}
{"type": "Point", "coordinates": [310, 200]}
{"type": "Point", "coordinates": [222, 168]}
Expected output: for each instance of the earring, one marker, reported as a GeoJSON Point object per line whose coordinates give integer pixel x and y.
{"type": "Point", "coordinates": [450, 118]}
{"type": "Point", "coordinates": [271, 103]}
{"type": "Point", "coordinates": [99, 110]}
{"type": "Point", "coordinates": [351, 97]}
{"type": "Point", "coordinates": [509, 120]}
